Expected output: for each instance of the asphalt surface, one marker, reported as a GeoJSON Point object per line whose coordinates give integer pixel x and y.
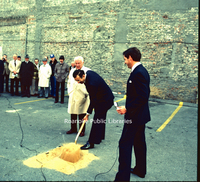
{"type": "Point", "coordinates": [29, 126]}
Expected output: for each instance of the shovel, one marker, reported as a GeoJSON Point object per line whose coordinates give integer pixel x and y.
{"type": "Point", "coordinates": [84, 121]}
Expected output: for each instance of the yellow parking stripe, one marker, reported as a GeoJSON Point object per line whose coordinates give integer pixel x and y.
{"type": "Point", "coordinates": [170, 118]}
{"type": "Point", "coordinates": [121, 99]}
{"type": "Point", "coordinates": [34, 100]}
{"type": "Point", "coordinates": [30, 101]}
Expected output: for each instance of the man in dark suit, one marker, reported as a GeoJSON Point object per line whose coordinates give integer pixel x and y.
{"type": "Point", "coordinates": [137, 115]}
{"type": "Point", "coordinates": [26, 74]}
{"type": "Point", "coordinates": [101, 100]}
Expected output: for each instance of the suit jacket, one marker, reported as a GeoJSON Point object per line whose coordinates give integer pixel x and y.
{"type": "Point", "coordinates": [16, 68]}
{"type": "Point", "coordinates": [26, 73]}
{"type": "Point", "coordinates": [137, 96]}
{"type": "Point", "coordinates": [99, 92]}
{"type": "Point", "coordinates": [6, 69]}
{"type": "Point", "coordinates": [61, 72]}
{"type": "Point", "coordinates": [35, 72]}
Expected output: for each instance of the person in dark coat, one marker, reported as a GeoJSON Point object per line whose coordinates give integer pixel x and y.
{"type": "Point", "coordinates": [26, 74]}
{"type": "Point", "coordinates": [137, 114]}
{"type": "Point", "coordinates": [1, 76]}
{"type": "Point", "coordinates": [53, 63]}
{"type": "Point", "coordinates": [6, 72]}
{"type": "Point", "coordinates": [61, 72]}
{"type": "Point", "coordinates": [35, 80]}
{"type": "Point", "coordinates": [101, 100]}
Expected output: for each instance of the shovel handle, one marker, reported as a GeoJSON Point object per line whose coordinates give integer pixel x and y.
{"type": "Point", "coordinates": [84, 121]}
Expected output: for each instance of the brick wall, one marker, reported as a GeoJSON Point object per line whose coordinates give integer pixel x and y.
{"type": "Point", "coordinates": [166, 32]}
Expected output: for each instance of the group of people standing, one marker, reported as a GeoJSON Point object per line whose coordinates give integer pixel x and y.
{"type": "Point", "coordinates": [87, 92]}
{"type": "Point", "coordinates": [34, 75]}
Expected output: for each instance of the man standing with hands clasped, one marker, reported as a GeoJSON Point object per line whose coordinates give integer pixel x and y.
{"type": "Point", "coordinates": [14, 67]}
{"type": "Point", "coordinates": [136, 111]}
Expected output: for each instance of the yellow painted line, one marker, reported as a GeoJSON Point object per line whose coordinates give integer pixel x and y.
{"type": "Point", "coordinates": [170, 118]}
{"type": "Point", "coordinates": [34, 100]}
{"type": "Point", "coordinates": [51, 98]}
{"type": "Point", "coordinates": [30, 101]}
{"type": "Point", "coordinates": [121, 99]}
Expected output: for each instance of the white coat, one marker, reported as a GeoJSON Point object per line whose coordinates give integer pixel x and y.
{"type": "Point", "coordinates": [78, 96]}
{"type": "Point", "coordinates": [44, 75]}
{"type": "Point", "coordinates": [16, 68]}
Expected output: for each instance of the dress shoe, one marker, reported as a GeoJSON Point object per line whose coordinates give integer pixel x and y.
{"type": "Point", "coordinates": [71, 131]}
{"type": "Point", "coordinates": [133, 171]}
{"type": "Point", "coordinates": [46, 97]}
{"type": "Point", "coordinates": [62, 102]}
{"type": "Point", "coordinates": [82, 134]}
{"type": "Point", "coordinates": [56, 102]}
{"type": "Point", "coordinates": [87, 146]}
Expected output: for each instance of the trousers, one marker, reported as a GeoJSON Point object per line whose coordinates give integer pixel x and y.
{"type": "Point", "coordinates": [74, 122]}
{"type": "Point", "coordinates": [62, 90]}
{"type": "Point", "coordinates": [132, 136]}
{"type": "Point", "coordinates": [16, 81]}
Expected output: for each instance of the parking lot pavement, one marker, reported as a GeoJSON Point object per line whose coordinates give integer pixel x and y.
{"type": "Point", "coordinates": [30, 126]}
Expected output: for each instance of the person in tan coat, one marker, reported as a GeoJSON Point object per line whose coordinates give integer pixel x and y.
{"type": "Point", "coordinates": [78, 98]}
{"type": "Point", "coordinates": [14, 67]}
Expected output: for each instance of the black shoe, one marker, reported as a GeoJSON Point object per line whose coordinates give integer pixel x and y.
{"type": "Point", "coordinates": [133, 171]}
{"type": "Point", "coordinates": [12, 94]}
{"type": "Point", "coordinates": [82, 134]}
{"type": "Point", "coordinates": [71, 131]}
{"type": "Point", "coordinates": [87, 146]}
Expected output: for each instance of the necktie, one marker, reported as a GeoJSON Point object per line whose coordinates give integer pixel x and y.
{"type": "Point", "coordinates": [15, 63]}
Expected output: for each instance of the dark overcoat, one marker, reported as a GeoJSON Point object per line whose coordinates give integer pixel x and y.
{"type": "Point", "coordinates": [26, 73]}
{"type": "Point", "coordinates": [1, 76]}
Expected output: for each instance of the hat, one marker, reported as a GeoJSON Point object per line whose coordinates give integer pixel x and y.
{"type": "Point", "coordinates": [61, 57]}
{"type": "Point", "coordinates": [44, 59]}
{"type": "Point", "coordinates": [52, 56]}
{"type": "Point", "coordinates": [18, 56]}
{"type": "Point", "coordinates": [27, 56]}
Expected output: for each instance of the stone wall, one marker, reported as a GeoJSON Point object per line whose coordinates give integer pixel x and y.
{"type": "Point", "coordinates": [166, 32]}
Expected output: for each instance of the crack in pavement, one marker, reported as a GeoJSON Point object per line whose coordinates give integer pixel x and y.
{"type": "Point", "coordinates": [21, 142]}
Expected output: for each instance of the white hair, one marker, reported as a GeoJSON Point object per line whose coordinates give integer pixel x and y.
{"type": "Point", "coordinates": [78, 58]}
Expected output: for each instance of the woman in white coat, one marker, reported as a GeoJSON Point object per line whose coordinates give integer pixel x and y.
{"type": "Point", "coordinates": [44, 76]}
{"type": "Point", "coordinates": [78, 98]}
